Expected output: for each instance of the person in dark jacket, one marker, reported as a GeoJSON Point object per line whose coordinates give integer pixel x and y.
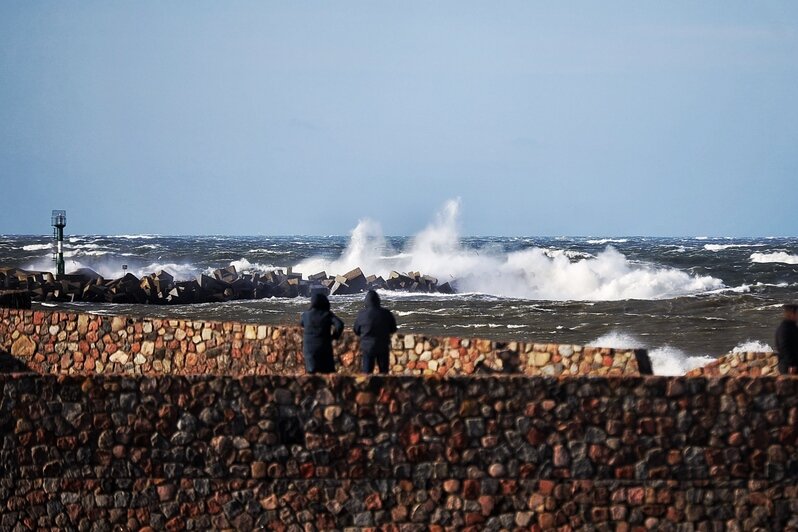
{"type": "Point", "coordinates": [375, 325]}
{"type": "Point", "coordinates": [787, 341]}
{"type": "Point", "coordinates": [321, 328]}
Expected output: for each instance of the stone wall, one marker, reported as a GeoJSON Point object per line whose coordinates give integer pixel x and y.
{"type": "Point", "coordinates": [182, 425]}
{"type": "Point", "coordinates": [750, 364]}
{"type": "Point", "coordinates": [74, 343]}
{"type": "Point", "coordinates": [199, 452]}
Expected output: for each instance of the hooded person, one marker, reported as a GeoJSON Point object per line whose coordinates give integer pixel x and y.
{"type": "Point", "coordinates": [321, 328]}
{"type": "Point", "coordinates": [375, 325]}
{"type": "Point", "coordinates": [787, 341]}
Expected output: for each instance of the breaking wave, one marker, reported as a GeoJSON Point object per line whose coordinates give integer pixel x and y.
{"type": "Point", "coordinates": [135, 237]}
{"type": "Point", "coordinates": [242, 265]}
{"type": "Point", "coordinates": [608, 241]}
{"type": "Point", "coordinates": [178, 271]}
{"type": "Point", "coordinates": [112, 268]}
{"type": "Point", "coordinates": [37, 247]}
{"type": "Point", "coordinates": [569, 253]}
{"type": "Point", "coordinates": [532, 273]}
{"type": "Point", "coordinates": [269, 251]}
{"type": "Point", "coordinates": [776, 256]}
{"type": "Point", "coordinates": [722, 247]}
{"type": "Point", "coordinates": [82, 253]}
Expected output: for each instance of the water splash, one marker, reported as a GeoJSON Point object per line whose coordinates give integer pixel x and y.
{"type": "Point", "coordinates": [532, 273]}
{"type": "Point", "coordinates": [752, 346]}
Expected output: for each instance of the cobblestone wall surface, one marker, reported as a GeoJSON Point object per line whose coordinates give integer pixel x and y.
{"type": "Point", "coordinates": [409, 452]}
{"type": "Point", "coordinates": [66, 342]}
{"type": "Point", "coordinates": [748, 364]}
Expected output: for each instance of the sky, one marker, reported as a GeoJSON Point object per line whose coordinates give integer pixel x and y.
{"type": "Point", "coordinates": [544, 118]}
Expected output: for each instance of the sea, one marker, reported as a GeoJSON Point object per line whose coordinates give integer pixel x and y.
{"type": "Point", "coordinates": [686, 299]}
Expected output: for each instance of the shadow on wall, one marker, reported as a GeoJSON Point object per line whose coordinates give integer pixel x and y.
{"type": "Point", "coordinates": [511, 363]}
{"type": "Point", "coordinates": [19, 299]}
{"type": "Point", "coordinates": [11, 364]}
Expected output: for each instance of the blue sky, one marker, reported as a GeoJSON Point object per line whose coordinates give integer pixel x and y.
{"type": "Point", "coordinates": [545, 118]}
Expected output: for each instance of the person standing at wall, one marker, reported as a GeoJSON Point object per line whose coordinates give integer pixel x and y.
{"type": "Point", "coordinates": [375, 325]}
{"type": "Point", "coordinates": [321, 327]}
{"type": "Point", "coordinates": [787, 341]}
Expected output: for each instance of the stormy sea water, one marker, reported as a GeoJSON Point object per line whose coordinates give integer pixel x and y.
{"type": "Point", "coordinates": [685, 299]}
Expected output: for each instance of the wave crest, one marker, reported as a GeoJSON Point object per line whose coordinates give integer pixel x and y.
{"type": "Point", "coordinates": [37, 247]}
{"type": "Point", "coordinates": [723, 247]}
{"type": "Point", "coordinates": [777, 256]}
{"type": "Point", "coordinates": [608, 241]}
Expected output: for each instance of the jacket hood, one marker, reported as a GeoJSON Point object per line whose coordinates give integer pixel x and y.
{"type": "Point", "coordinates": [319, 301]}
{"type": "Point", "coordinates": [372, 299]}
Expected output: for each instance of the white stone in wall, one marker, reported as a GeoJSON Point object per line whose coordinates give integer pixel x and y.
{"type": "Point", "coordinates": [119, 357]}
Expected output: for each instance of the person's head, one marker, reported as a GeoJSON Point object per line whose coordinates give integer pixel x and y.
{"type": "Point", "coordinates": [372, 299]}
{"type": "Point", "coordinates": [790, 312]}
{"type": "Point", "coordinates": [319, 301]}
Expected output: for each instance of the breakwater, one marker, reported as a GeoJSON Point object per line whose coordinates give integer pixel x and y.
{"type": "Point", "coordinates": [18, 286]}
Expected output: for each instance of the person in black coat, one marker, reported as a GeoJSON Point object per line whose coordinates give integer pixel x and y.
{"type": "Point", "coordinates": [787, 341]}
{"type": "Point", "coordinates": [321, 328]}
{"type": "Point", "coordinates": [375, 325]}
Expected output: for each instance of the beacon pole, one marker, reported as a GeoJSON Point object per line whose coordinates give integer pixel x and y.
{"type": "Point", "coordinates": [59, 222]}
